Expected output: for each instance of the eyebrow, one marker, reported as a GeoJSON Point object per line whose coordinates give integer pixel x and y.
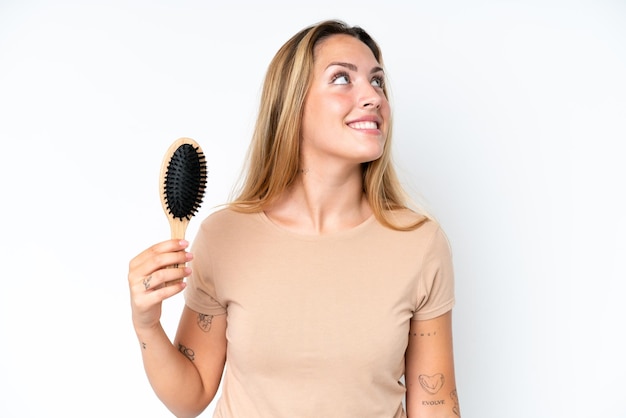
{"type": "Point", "coordinates": [353, 67]}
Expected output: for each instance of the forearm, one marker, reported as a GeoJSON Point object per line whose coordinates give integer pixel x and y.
{"type": "Point", "coordinates": [432, 395]}
{"type": "Point", "coordinates": [172, 375]}
{"type": "Point", "coordinates": [445, 405]}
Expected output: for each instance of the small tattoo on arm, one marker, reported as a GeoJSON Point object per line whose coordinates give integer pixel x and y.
{"type": "Point", "coordinates": [188, 352]}
{"type": "Point", "coordinates": [432, 384]}
{"type": "Point", "coordinates": [143, 345]}
{"type": "Point", "coordinates": [423, 334]}
{"type": "Point", "coordinates": [455, 400]}
{"type": "Point", "coordinates": [434, 403]}
{"type": "Point", "coordinates": [204, 322]}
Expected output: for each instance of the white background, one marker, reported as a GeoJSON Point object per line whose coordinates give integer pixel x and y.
{"type": "Point", "coordinates": [508, 122]}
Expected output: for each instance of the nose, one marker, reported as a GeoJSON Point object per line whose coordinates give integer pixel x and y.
{"type": "Point", "coordinates": [370, 97]}
{"type": "Point", "coordinates": [371, 104]}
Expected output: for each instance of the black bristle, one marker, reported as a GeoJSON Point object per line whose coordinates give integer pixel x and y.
{"type": "Point", "coordinates": [185, 181]}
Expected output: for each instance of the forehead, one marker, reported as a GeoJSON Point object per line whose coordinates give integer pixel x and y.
{"type": "Point", "coordinates": [342, 48]}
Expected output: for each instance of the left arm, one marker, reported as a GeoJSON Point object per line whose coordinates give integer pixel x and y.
{"type": "Point", "coordinates": [429, 370]}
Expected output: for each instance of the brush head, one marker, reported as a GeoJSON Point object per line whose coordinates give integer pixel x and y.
{"type": "Point", "coordinates": [183, 179]}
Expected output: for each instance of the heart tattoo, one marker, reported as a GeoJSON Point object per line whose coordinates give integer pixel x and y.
{"type": "Point", "coordinates": [432, 384]}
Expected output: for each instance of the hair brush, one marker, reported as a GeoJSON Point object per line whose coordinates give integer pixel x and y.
{"type": "Point", "coordinates": [182, 183]}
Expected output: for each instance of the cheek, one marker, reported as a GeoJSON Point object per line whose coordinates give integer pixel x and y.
{"type": "Point", "coordinates": [327, 111]}
{"type": "Point", "coordinates": [336, 107]}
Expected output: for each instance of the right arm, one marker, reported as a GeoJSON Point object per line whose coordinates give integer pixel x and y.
{"type": "Point", "coordinates": [185, 375]}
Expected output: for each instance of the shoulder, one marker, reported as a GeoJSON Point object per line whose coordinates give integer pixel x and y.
{"type": "Point", "coordinates": [405, 217]}
{"type": "Point", "coordinates": [408, 220]}
{"type": "Point", "coordinates": [226, 221]}
{"type": "Point", "coordinates": [226, 228]}
{"type": "Point", "coordinates": [228, 215]}
{"type": "Point", "coordinates": [422, 231]}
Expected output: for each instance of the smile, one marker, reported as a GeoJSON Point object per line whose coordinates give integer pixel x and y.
{"type": "Point", "coordinates": [363, 125]}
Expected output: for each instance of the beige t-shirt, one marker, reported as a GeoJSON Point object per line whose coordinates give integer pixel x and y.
{"type": "Point", "coordinates": [317, 325]}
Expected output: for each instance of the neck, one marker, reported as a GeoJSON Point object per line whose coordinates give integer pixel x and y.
{"type": "Point", "coordinates": [320, 203]}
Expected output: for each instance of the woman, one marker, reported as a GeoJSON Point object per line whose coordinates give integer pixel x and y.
{"type": "Point", "coordinates": [316, 290]}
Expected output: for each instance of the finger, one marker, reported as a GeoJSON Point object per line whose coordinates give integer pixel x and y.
{"type": "Point", "coordinates": [171, 245]}
{"type": "Point", "coordinates": [158, 261]}
{"type": "Point", "coordinates": [164, 260]}
{"type": "Point", "coordinates": [162, 278]}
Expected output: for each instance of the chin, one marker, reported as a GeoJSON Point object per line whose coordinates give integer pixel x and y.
{"type": "Point", "coordinates": [368, 158]}
{"type": "Point", "coordinates": [373, 153]}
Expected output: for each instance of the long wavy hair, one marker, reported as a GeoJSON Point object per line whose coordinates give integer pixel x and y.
{"type": "Point", "coordinates": [274, 154]}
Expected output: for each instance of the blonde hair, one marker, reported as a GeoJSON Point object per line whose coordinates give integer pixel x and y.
{"type": "Point", "coordinates": [274, 154]}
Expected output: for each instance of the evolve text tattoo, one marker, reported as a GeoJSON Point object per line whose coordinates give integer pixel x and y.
{"type": "Point", "coordinates": [434, 403]}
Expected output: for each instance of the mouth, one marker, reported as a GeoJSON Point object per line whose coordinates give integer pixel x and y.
{"type": "Point", "coordinates": [364, 124]}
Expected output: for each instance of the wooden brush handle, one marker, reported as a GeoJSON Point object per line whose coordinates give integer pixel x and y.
{"type": "Point", "coordinates": [178, 228]}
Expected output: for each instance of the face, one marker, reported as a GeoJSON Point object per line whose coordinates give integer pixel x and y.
{"type": "Point", "coordinates": [346, 113]}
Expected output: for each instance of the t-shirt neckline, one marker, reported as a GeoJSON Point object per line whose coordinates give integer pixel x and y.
{"type": "Point", "coordinates": [314, 237]}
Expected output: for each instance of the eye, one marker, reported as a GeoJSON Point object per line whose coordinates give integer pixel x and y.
{"type": "Point", "coordinates": [341, 78]}
{"type": "Point", "coordinates": [378, 82]}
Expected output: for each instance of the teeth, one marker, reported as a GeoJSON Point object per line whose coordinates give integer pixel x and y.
{"type": "Point", "coordinates": [364, 125]}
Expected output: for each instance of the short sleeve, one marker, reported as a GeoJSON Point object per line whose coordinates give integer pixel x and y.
{"type": "Point", "coordinates": [436, 288]}
{"type": "Point", "coordinates": [200, 293]}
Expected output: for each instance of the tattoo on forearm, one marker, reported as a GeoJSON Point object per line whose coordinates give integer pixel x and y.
{"type": "Point", "coordinates": [188, 352]}
{"type": "Point", "coordinates": [432, 384]}
{"type": "Point", "coordinates": [434, 403]}
{"type": "Point", "coordinates": [455, 400]}
{"type": "Point", "coordinates": [143, 345]}
{"type": "Point", "coordinates": [204, 322]}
